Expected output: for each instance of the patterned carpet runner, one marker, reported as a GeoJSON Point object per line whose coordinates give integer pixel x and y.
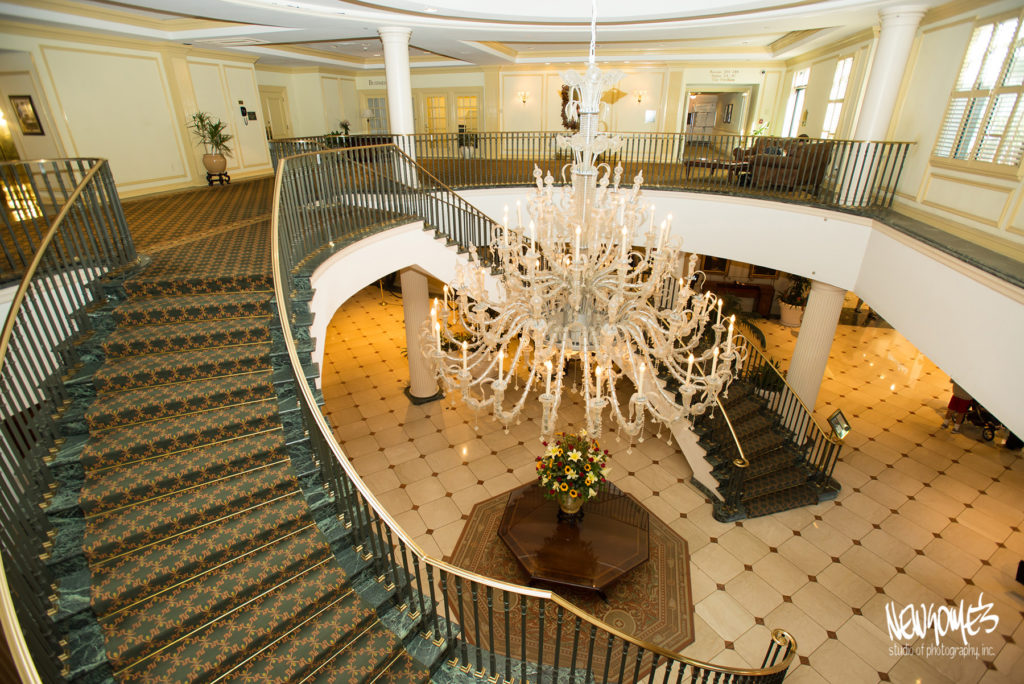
{"type": "Point", "coordinates": [206, 558]}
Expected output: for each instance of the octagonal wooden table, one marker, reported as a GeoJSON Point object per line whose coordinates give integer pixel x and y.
{"type": "Point", "coordinates": [611, 539]}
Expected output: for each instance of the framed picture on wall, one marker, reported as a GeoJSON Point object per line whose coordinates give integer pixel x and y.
{"type": "Point", "coordinates": [711, 264]}
{"type": "Point", "coordinates": [727, 116]}
{"type": "Point", "coordinates": [762, 272]}
{"type": "Point", "coordinates": [25, 111]}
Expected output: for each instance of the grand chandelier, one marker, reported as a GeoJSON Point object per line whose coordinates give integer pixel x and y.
{"type": "Point", "coordinates": [590, 296]}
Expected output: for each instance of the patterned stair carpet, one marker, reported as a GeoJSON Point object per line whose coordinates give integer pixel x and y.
{"type": "Point", "coordinates": [776, 480]}
{"type": "Point", "coordinates": [207, 559]}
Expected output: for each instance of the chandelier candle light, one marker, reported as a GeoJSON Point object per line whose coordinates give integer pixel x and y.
{"type": "Point", "coordinates": [590, 288]}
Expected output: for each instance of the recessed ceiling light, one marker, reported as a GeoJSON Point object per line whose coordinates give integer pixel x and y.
{"type": "Point", "coordinates": [431, 10]}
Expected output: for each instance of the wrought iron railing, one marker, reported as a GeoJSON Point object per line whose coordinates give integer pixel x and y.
{"type": "Point", "coordinates": [77, 230]}
{"type": "Point", "coordinates": [324, 200]}
{"type": "Point", "coordinates": [835, 173]}
{"type": "Point", "coordinates": [818, 447]}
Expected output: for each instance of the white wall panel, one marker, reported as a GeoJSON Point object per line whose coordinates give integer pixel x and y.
{"type": "Point", "coordinates": [118, 105]}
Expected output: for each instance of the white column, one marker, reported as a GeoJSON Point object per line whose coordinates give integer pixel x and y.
{"type": "Point", "coordinates": [895, 39]}
{"type": "Point", "coordinates": [399, 79]}
{"type": "Point", "coordinates": [416, 307]}
{"type": "Point", "coordinates": [818, 329]}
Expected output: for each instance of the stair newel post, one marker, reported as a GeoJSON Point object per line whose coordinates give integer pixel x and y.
{"type": "Point", "coordinates": [462, 616]}
{"type": "Point", "coordinates": [390, 566]}
{"type": "Point", "coordinates": [490, 629]}
{"type": "Point", "coordinates": [560, 615]}
{"type": "Point", "coordinates": [508, 635]}
{"type": "Point", "coordinates": [435, 629]}
{"type": "Point", "coordinates": [475, 596]}
{"type": "Point", "coordinates": [577, 623]}
{"type": "Point", "coordinates": [450, 646]}
{"type": "Point", "coordinates": [739, 472]}
{"type": "Point", "coordinates": [419, 582]}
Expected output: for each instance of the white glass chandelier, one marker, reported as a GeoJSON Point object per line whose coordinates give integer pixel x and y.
{"type": "Point", "coordinates": [589, 294]}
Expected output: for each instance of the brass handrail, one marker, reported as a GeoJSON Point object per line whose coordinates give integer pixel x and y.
{"type": "Point", "coordinates": [305, 395]}
{"type": "Point", "coordinates": [13, 632]}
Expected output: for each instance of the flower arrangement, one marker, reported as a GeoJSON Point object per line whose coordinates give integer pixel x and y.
{"type": "Point", "coordinates": [572, 466]}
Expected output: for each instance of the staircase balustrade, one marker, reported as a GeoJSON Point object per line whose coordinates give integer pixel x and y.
{"type": "Point", "coordinates": [65, 230]}
{"type": "Point", "coordinates": [324, 200]}
{"type": "Point", "coordinates": [834, 173]}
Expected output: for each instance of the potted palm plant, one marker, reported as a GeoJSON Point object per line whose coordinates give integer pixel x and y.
{"type": "Point", "coordinates": [213, 136]}
{"type": "Point", "coordinates": [792, 301]}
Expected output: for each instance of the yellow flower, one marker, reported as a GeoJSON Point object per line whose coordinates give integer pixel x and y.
{"type": "Point", "coordinates": [563, 486]}
{"type": "Point", "coordinates": [568, 470]}
{"type": "Point", "coordinates": [586, 466]}
{"type": "Point", "coordinates": [590, 479]}
{"type": "Point", "coordinates": [592, 491]}
{"type": "Point", "coordinates": [574, 455]}
{"type": "Point", "coordinates": [571, 474]}
{"type": "Point", "coordinates": [573, 493]}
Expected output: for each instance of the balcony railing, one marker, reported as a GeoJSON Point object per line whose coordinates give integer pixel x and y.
{"type": "Point", "coordinates": [68, 231]}
{"type": "Point", "coordinates": [330, 198]}
{"type": "Point", "coordinates": [834, 173]}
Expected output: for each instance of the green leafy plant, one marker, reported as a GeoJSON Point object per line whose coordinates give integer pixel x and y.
{"type": "Point", "coordinates": [212, 133]}
{"type": "Point", "coordinates": [796, 293]}
{"type": "Point", "coordinates": [761, 127]}
{"type": "Point", "coordinates": [344, 128]}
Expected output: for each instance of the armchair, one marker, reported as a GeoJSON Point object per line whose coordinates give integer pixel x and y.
{"type": "Point", "coordinates": [786, 163]}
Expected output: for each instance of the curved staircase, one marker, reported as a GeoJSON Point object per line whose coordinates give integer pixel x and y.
{"type": "Point", "coordinates": [210, 547]}
{"type": "Point", "coordinates": [778, 477]}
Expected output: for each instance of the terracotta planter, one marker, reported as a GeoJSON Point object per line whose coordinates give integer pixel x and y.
{"type": "Point", "coordinates": [790, 315]}
{"type": "Point", "coordinates": [215, 163]}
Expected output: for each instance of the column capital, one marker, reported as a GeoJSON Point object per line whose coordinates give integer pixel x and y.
{"type": "Point", "coordinates": [825, 288]}
{"type": "Point", "coordinates": [902, 15]}
{"type": "Point", "coordinates": [395, 34]}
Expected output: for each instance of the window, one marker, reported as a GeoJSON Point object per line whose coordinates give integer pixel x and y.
{"type": "Point", "coordinates": [795, 106]}
{"type": "Point", "coordinates": [437, 114]}
{"type": "Point", "coordinates": [467, 112]}
{"type": "Point", "coordinates": [376, 115]}
{"type": "Point", "coordinates": [840, 81]}
{"type": "Point", "coordinates": [984, 122]}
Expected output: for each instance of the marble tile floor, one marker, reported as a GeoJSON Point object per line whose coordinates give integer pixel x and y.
{"type": "Point", "coordinates": [924, 516]}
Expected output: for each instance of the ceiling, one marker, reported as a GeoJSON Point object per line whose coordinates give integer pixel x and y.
{"type": "Point", "coordinates": [342, 34]}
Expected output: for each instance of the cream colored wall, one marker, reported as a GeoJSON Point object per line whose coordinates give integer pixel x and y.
{"type": "Point", "coordinates": [18, 77]}
{"type": "Point", "coordinates": [984, 206]}
{"type": "Point", "coordinates": [221, 88]}
{"type": "Point", "coordinates": [819, 86]}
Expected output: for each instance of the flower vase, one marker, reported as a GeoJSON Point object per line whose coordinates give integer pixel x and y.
{"type": "Point", "coordinates": [570, 508]}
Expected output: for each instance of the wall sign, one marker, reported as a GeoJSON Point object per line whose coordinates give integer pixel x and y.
{"type": "Point", "coordinates": [724, 75]}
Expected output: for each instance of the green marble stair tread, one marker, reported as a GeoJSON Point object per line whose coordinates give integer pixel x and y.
{"type": "Point", "coordinates": [123, 445]}
{"type": "Point", "coordinates": [162, 564]}
{"type": "Point", "coordinates": [403, 670]}
{"type": "Point", "coordinates": [125, 529]}
{"type": "Point", "coordinates": [155, 339]}
{"type": "Point", "coordinates": [144, 404]}
{"type": "Point", "coordinates": [143, 286]}
{"type": "Point", "coordinates": [217, 647]}
{"type": "Point", "coordinates": [153, 623]}
{"type": "Point", "coordinates": [181, 366]}
{"type": "Point", "coordinates": [762, 442]}
{"type": "Point", "coordinates": [794, 497]}
{"type": "Point", "coordinates": [166, 474]}
{"type": "Point", "coordinates": [185, 308]}
{"type": "Point", "coordinates": [310, 645]}
{"type": "Point", "coordinates": [363, 659]}
{"type": "Point", "coordinates": [737, 411]}
{"type": "Point", "coordinates": [776, 480]}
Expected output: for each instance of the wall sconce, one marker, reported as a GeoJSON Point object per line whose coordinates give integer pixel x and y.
{"type": "Point", "coordinates": [523, 96]}
{"type": "Point", "coordinates": [641, 95]}
{"type": "Point", "coordinates": [693, 96]}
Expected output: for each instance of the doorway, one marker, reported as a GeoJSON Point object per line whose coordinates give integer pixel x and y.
{"type": "Point", "coordinates": [274, 101]}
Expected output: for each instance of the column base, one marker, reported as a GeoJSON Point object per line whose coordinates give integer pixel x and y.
{"type": "Point", "coordinates": [439, 394]}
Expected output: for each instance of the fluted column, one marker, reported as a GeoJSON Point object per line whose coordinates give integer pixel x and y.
{"type": "Point", "coordinates": [399, 78]}
{"type": "Point", "coordinates": [416, 308]}
{"type": "Point", "coordinates": [895, 39]}
{"type": "Point", "coordinates": [818, 329]}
